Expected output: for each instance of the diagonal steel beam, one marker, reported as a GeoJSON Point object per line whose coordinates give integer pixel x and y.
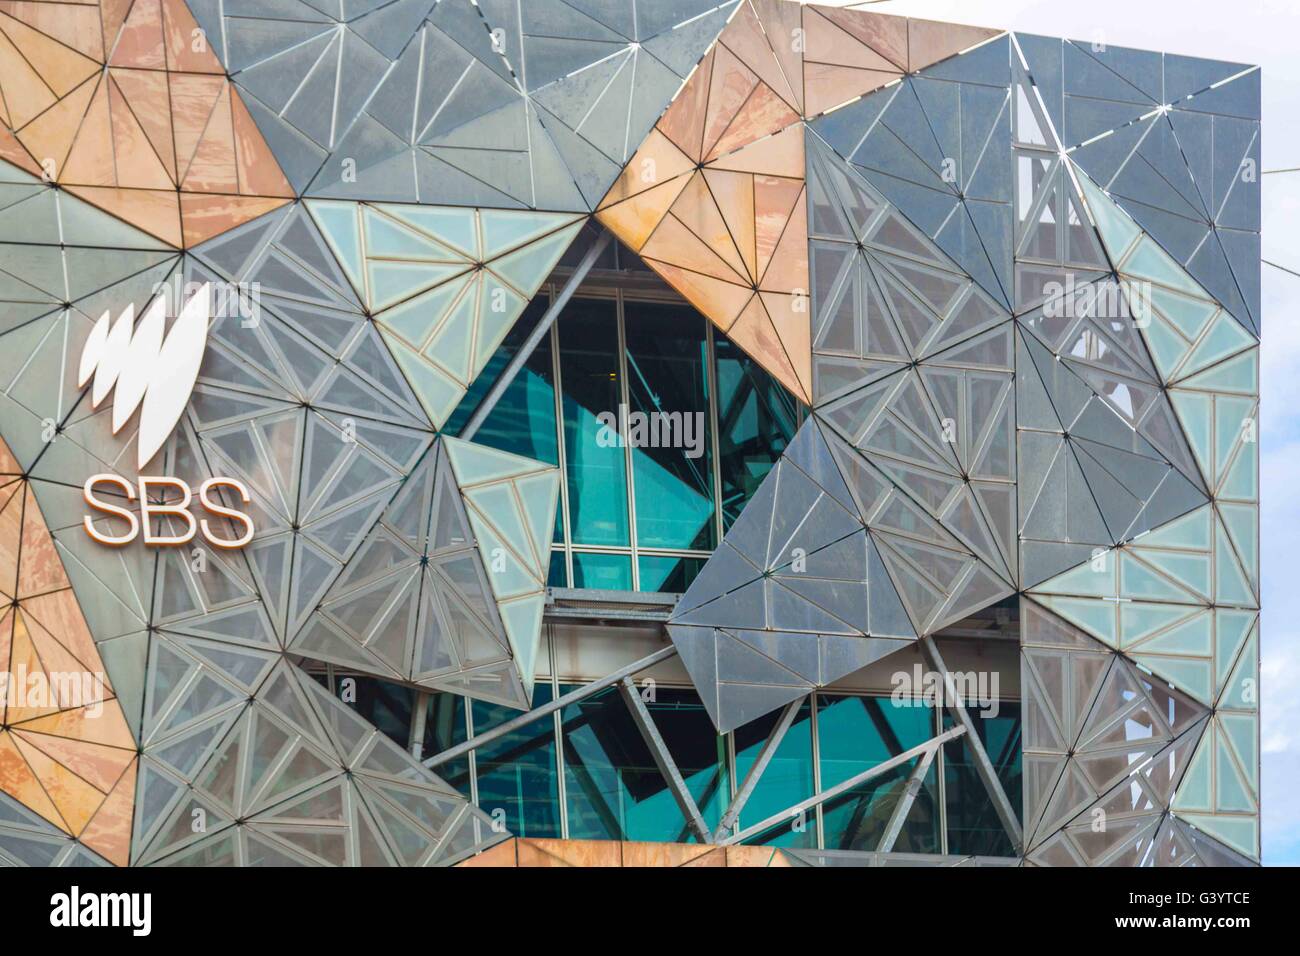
{"type": "Point", "coordinates": [663, 759]}
{"type": "Point", "coordinates": [928, 746]}
{"type": "Point", "coordinates": [543, 326]}
{"type": "Point", "coordinates": [765, 755]}
{"type": "Point", "coordinates": [905, 800]}
{"type": "Point", "coordinates": [983, 766]}
{"type": "Point", "coordinates": [524, 719]}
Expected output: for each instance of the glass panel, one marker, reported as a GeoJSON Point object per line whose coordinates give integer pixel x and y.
{"type": "Point", "coordinates": [444, 727]}
{"type": "Point", "coordinates": [523, 421]}
{"type": "Point", "coordinates": [672, 457]}
{"type": "Point", "coordinates": [973, 825]}
{"type": "Point", "coordinates": [614, 789]}
{"type": "Point", "coordinates": [756, 420]}
{"type": "Point", "coordinates": [517, 773]}
{"type": "Point", "coordinates": [787, 779]}
{"type": "Point", "coordinates": [597, 473]}
{"type": "Point", "coordinates": [558, 575]}
{"type": "Point", "coordinates": [610, 572]}
{"type": "Point", "coordinates": [387, 706]}
{"type": "Point", "coordinates": [855, 734]}
{"type": "Point", "coordinates": [667, 573]}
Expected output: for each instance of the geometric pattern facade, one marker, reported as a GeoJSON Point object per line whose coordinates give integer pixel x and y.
{"type": "Point", "coordinates": [1013, 279]}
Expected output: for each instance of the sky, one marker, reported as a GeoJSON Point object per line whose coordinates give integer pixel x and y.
{"type": "Point", "coordinates": [1258, 32]}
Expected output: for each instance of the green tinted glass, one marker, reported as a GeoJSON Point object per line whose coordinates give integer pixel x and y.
{"type": "Point", "coordinates": [787, 780]}
{"type": "Point", "coordinates": [596, 465]}
{"type": "Point", "coordinates": [667, 573]}
{"type": "Point", "coordinates": [517, 773]}
{"type": "Point", "coordinates": [973, 825]}
{"type": "Point", "coordinates": [610, 572]}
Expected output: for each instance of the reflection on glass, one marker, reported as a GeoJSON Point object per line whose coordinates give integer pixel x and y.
{"type": "Point", "coordinates": [756, 420]}
{"type": "Point", "coordinates": [667, 572]}
{"type": "Point", "coordinates": [853, 735]}
{"type": "Point", "coordinates": [597, 473]}
{"type": "Point", "coordinates": [523, 421]}
{"type": "Point", "coordinates": [558, 575]}
{"type": "Point", "coordinates": [613, 788]}
{"type": "Point", "coordinates": [973, 825]}
{"type": "Point", "coordinates": [610, 572]}
{"type": "Point", "coordinates": [667, 354]}
{"type": "Point", "coordinates": [444, 727]}
{"type": "Point", "coordinates": [787, 780]}
{"type": "Point", "coordinates": [517, 773]}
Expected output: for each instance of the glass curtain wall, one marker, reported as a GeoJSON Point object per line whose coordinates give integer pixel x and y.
{"type": "Point", "coordinates": [662, 427]}
{"type": "Point", "coordinates": [586, 773]}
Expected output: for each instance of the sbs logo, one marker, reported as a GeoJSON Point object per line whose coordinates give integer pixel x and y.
{"type": "Point", "coordinates": [154, 373]}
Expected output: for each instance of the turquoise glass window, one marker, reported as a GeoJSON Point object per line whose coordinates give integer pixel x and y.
{"type": "Point", "coordinates": [756, 420]}
{"type": "Point", "coordinates": [853, 735]}
{"type": "Point", "coordinates": [613, 788]}
{"type": "Point", "coordinates": [595, 464]}
{"type": "Point", "coordinates": [973, 824]}
{"type": "Point", "coordinates": [444, 727]}
{"type": "Point", "coordinates": [523, 421]}
{"type": "Point", "coordinates": [668, 430]}
{"type": "Point", "coordinates": [668, 573]}
{"type": "Point", "coordinates": [517, 773]}
{"type": "Point", "coordinates": [557, 575]}
{"type": "Point", "coordinates": [610, 572]}
{"type": "Point", "coordinates": [787, 780]}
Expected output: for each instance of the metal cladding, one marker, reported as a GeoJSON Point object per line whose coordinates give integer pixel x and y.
{"type": "Point", "coordinates": [1014, 279]}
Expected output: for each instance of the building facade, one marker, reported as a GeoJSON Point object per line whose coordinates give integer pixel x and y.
{"type": "Point", "coordinates": [590, 432]}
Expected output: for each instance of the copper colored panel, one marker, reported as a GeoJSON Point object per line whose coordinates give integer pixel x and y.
{"type": "Point", "coordinates": [25, 96]}
{"type": "Point", "coordinates": [98, 765]}
{"type": "Point", "coordinates": [782, 22]}
{"type": "Point", "coordinates": [501, 855]}
{"type": "Point", "coordinates": [178, 37]}
{"type": "Point", "coordinates": [657, 161]}
{"type": "Point", "coordinates": [793, 321]}
{"type": "Point", "coordinates": [745, 38]}
{"type": "Point", "coordinates": [884, 34]}
{"type": "Point", "coordinates": [731, 84]}
{"type": "Point", "coordinates": [212, 168]}
{"type": "Point", "coordinates": [754, 333]}
{"type": "Point", "coordinates": [154, 211]}
{"type": "Point", "coordinates": [734, 195]}
{"type": "Point", "coordinates": [663, 854]}
{"type": "Point", "coordinates": [632, 220]}
{"type": "Point", "coordinates": [683, 121]}
{"type": "Point", "coordinates": [61, 68]}
{"type": "Point", "coordinates": [777, 155]}
{"type": "Point", "coordinates": [106, 726]}
{"type": "Point", "coordinates": [570, 853]}
{"type": "Point", "coordinates": [787, 271]}
{"type": "Point", "coordinates": [928, 41]}
{"type": "Point", "coordinates": [59, 613]}
{"type": "Point", "coordinates": [698, 209]}
{"type": "Point", "coordinates": [11, 151]}
{"type": "Point", "coordinates": [827, 43]}
{"type": "Point", "coordinates": [207, 215]}
{"type": "Point", "coordinates": [146, 93]}
{"type": "Point", "coordinates": [11, 532]}
{"type": "Point", "coordinates": [720, 301]}
{"type": "Point", "coordinates": [673, 243]}
{"type": "Point", "coordinates": [138, 164]}
{"type": "Point", "coordinates": [75, 799]}
{"type": "Point", "coordinates": [23, 662]}
{"type": "Point", "coordinates": [51, 135]}
{"type": "Point", "coordinates": [755, 856]}
{"type": "Point", "coordinates": [109, 831]}
{"type": "Point", "coordinates": [6, 638]}
{"type": "Point", "coordinates": [113, 14]}
{"type": "Point", "coordinates": [258, 172]}
{"type": "Point", "coordinates": [17, 780]}
{"type": "Point", "coordinates": [763, 113]}
{"type": "Point", "coordinates": [715, 857]}
{"type": "Point", "coordinates": [57, 657]}
{"type": "Point", "coordinates": [193, 98]}
{"type": "Point", "coordinates": [74, 25]}
{"type": "Point", "coordinates": [91, 161]}
{"type": "Point", "coordinates": [140, 41]}
{"type": "Point", "coordinates": [8, 463]}
{"type": "Point", "coordinates": [827, 86]}
{"type": "Point", "coordinates": [774, 199]}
